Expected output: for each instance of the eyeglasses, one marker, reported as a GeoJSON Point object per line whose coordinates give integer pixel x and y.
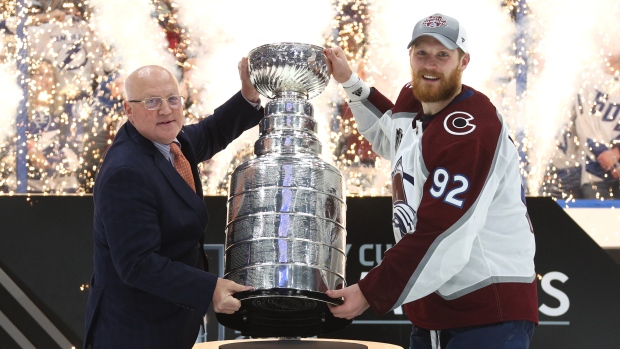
{"type": "Point", "coordinates": [154, 103]}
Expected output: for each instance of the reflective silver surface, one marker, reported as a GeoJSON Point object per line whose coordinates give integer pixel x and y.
{"type": "Point", "coordinates": [287, 66]}
{"type": "Point", "coordinates": [286, 207]}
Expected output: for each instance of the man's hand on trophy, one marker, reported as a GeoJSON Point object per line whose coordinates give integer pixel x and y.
{"type": "Point", "coordinates": [247, 89]}
{"type": "Point", "coordinates": [223, 300]}
{"type": "Point", "coordinates": [354, 302]}
{"type": "Point", "coordinates": [337, 64]}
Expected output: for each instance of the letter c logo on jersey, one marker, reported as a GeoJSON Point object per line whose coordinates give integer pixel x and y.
{"type": "Point", "coordinates": [459, 123]}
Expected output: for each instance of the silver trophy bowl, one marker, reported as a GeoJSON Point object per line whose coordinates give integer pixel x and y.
{"type": "Point", "coordinates": [288, 67]}
{"type": "Point", "coordinates": [285, 232]}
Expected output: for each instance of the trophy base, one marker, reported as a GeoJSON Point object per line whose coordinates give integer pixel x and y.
{"type": "Point", "coordinates": [283, 312]}
{"type": "Point", "coordinates": [294, 344]}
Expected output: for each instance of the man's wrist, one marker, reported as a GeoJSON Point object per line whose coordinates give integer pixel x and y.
{"type": "Point", "coordinates": [254, 104]}
{"type": "Point", "coordinates": [356, 88]}
{"type": "Point", "coordinates": [352, 81]}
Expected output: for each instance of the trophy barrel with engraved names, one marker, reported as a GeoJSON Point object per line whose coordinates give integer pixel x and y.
{"type": "Point", "coordinates": [285, 232]}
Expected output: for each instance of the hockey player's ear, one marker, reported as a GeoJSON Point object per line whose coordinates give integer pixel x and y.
{"type": "Point", "coordinates": [464, 61]}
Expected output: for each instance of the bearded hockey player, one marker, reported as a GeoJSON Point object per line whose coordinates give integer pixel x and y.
{"type": "Point", "coordinates": [463, 264]}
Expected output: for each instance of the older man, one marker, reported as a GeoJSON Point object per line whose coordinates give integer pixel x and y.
{"type": "Point", "coordinates": [150, 287]}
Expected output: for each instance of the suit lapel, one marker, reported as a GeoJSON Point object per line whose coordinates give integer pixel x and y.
{"type": "Point", "coordinates": [194, 200]}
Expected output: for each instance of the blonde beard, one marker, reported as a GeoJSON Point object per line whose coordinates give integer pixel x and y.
{"type": "Point", "coordinates": [445, 91]}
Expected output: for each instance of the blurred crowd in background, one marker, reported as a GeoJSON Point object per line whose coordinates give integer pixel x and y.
{"type": "Point", "coordinates": [75, 94]}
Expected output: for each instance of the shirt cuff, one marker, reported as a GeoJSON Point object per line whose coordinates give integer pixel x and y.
{"type": "Point", "coordinates": [356, 88]}
{"type": "Point", "coordinates": [256, 105]}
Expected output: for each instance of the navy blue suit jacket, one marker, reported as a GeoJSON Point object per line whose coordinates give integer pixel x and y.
{"type": "Point", "coordinates": [149, 287]}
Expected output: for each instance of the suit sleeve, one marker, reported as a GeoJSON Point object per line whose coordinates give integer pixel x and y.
{"type": "Point", "coordinates": [228, 122]}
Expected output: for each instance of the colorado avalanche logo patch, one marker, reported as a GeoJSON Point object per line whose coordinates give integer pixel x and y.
{"type": "Point", "coordinates": [435, 22]}
{"type": "Point", "coordinates": [459, 123]}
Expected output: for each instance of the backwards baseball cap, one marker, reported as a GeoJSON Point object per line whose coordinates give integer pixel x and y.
{"type": "Point", "coordinates": [446, 30]}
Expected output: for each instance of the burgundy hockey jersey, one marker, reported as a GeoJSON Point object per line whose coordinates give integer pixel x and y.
{"type": "Point", "coordinates": [465, 246]}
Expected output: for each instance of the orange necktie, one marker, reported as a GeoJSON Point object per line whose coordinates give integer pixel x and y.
{"type": "Point", "coordinates": [182, 165]}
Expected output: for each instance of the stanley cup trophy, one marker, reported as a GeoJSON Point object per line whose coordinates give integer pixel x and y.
{"type": "Point", "coordinates": [285, 234]}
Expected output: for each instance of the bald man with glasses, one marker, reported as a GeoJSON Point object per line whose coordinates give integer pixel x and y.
{"type": "Point", "coordinates": [151, 286]}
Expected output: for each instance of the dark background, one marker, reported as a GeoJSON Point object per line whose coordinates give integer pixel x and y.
{"type": "Point", "coordinates": [46, 252]}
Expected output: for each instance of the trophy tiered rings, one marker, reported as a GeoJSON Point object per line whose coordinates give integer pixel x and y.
{"type": "Point", "coordinates": [286, 234]}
